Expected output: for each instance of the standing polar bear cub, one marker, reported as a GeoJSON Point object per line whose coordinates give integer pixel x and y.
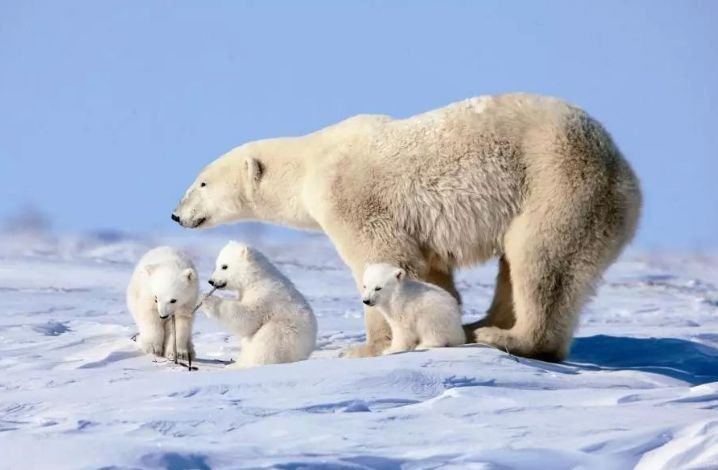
{"type": "Point", "coordinates": [531, 180]}
{"type": "Point", "coordinates": [164, 283]}
{"type": "Point", "coordinates": [420, 315]}
{"type": "Point", "coordinates": [273, 320]}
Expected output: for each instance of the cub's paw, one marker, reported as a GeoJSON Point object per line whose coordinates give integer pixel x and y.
{"type": "Point", "coordinates": [210, 306]}
{"type": "Point", "coordinates": [156, 349]}
{"type": "Point", "coordinates": [182, 355]}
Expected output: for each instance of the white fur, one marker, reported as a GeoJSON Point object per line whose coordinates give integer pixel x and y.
{"type": "Point", "coordinates": [420, 315]}
{"type": "Point", "coordinates": [271, 317]}
{"type": "Point", "coordinates": [164, 274]}
{"type": "Point", "coordinates": [531, 180]}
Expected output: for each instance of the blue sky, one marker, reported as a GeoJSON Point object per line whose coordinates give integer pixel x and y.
{"type": "Point", "coordinates": [109, 108]}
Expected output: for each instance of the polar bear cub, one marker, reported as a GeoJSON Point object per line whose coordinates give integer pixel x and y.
{"type": "Point", "coordinates": [271, 317]}
{"type": "Point", "coordinates": [420, 315]}
{"type": "Point", "coordinates": [164, 283]}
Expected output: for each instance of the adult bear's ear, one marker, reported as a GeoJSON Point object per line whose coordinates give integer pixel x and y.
{"type": "Point", "coordinates": [255, 169]}
{"type": "Point", "coordinates": [399, 274]}
{"type": "Point", "coordinates": [189, 274]}
{"type": "Point", "coordinates": [150, 268]}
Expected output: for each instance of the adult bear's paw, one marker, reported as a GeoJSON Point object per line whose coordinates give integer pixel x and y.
{"type": "Point", "coordinates": [362, 350]}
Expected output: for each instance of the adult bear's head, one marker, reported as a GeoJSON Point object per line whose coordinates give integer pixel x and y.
{"type": "Point", "coordinates": [222, 192]}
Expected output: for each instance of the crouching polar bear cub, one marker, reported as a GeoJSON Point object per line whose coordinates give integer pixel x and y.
{"type": "Point", "coordinates": [420, 315]}
{"type": "Point", "coordinates": [270, 316]}
{"type": "Point", "coordinates": [164, 283]}
{"type": "Point", "coordinates": [531, 180]}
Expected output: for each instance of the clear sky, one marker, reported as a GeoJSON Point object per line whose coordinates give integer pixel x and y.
{"type": "Point", "coordinates": [109, 108]}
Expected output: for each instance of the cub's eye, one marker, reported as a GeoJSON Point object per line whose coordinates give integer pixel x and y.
{"type": "Point", "coordinates": [173, 301]}
{"type": "Point", "coordinates": [202, 184]}
{"type": "Point", "coordinates": [224, 266]}
{"type": "Point", "coordinates": [377, 288]}
{"type": "Point", "coordinates": [155, 299]}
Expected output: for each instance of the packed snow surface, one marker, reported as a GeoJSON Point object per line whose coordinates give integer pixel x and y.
{"type": "Point", "coordinates": [640, 389]}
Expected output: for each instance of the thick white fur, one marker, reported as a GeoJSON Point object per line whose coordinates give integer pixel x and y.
{"type": "Point", "coordinates": [531, 180]}
{"type": "Point", "coordinates": [161, 275]}
{"type": "Point", "coordinates": [420, 315]}
{"type": "Point", "coordinates": [273, 320]}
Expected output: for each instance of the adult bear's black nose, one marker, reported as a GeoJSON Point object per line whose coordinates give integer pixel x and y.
{"type": "Point", "coordinates": [366, 302]}
{"type": "Point", "coordinates": [211, 282]}
{"type": "Point", "coordinates": [175, 217]}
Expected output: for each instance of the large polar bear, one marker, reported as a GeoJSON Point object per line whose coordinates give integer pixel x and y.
{"type": "Point", "coordinates": [531, 180]}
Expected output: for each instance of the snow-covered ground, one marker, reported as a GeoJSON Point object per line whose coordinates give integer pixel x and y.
{"type": "Point", "coordinates": [639, 390]}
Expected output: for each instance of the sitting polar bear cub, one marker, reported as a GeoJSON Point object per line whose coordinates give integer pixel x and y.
{"type": "Point", "coordinates": [273, 320]}
{"type": "Point", "coordinates": [163, 284]}
{"type": "Point", "coordinates": [420, 315]}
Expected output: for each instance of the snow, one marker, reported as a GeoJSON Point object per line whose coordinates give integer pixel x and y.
{"type": "Point", "coordinates": [640, 389]}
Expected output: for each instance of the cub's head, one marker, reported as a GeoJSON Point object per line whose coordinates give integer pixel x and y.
{"type": "Point", "coordinates": [234, 266]}
{"type": "Point", "coordinates": [379, 281]}
{"type": "Point", "coordinates": [222, 192]}
{"type": "Point", "coordinates": [172, 287]}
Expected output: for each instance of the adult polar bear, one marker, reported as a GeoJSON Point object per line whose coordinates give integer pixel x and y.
{"type": "Point", "coordinates": [532, 180]}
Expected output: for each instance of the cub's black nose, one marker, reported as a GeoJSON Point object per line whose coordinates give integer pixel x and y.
{"type": "Point", "coordinates": [175, 217]}
{"type": "Point", "coordinates": [211, 282]}
{"type": "Point", "coordinates": [366, 302]}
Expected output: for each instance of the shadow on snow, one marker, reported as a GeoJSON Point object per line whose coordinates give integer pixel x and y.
{"type": "Point", "coordinates": [689, 361]}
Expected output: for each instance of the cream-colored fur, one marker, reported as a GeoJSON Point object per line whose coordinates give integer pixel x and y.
{"type": "Point", "coordinates": [530, 179]}
{"type": "Point", "coordinates": [421, 315]}
{"type": "Point", "coordinates": [164, 283]}
{"type": "Point", "coordinates": [271, 317]}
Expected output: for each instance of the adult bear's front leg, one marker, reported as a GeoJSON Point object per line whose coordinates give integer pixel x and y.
{"type": "Point", "coordinates": [378, 335]}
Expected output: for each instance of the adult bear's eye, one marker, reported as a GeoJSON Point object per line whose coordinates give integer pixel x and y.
{"type": "Point", "coordinates": [155, 299]}
{"type": "Point", "coordinates": [377, 288]}
{"type": "Point", "coordinates": [224, 266]}
{"type": "Point", "coordinates": [173, 301]}
{"type": "Point", "coordinates": [202, 184]}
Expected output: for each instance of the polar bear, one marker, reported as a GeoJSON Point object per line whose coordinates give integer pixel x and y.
{"type": "Point", "coordinates": [273, 320]}
{"type": "Point", "coordinates": [164, 283]}
{"type": "Point", "coordinates": [530, 180]}
{"type": "Point", "coordinates": [421, 315]}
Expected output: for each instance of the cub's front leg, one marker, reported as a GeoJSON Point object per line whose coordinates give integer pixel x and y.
{"type": "Point", "coordinates": [182, 328]}
{"type": "Point", "coordinates": [211, 306]}
{"type": "Point", "coordinates": [402, 340]}
{"type": "Point", "coordinates": [151, 339]}
{"type": "Point", "coordinates": [239, 319]}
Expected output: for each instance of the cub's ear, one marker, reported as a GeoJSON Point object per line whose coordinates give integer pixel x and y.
{"type": "Point", "coordinates": [150, 268]}
{"type": "Point", "coordinates": [255, 169]}
{"type": "Point", "coordinates": [399, 274]}
{"type": "Point", "coordinates": [189, 274]}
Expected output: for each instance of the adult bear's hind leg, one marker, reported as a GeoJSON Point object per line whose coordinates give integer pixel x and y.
{"type": "Point", "coordinates": [551, 278]}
